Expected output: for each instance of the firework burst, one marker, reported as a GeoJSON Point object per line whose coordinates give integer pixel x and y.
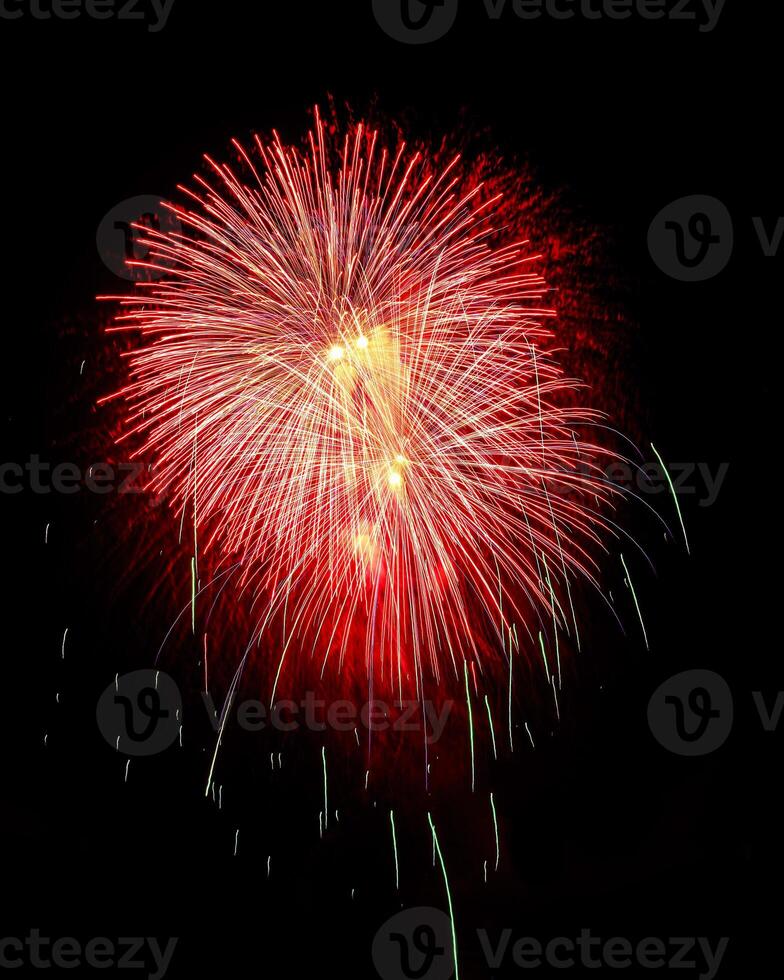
{"type": "Point", "coordinates": [349, 391]}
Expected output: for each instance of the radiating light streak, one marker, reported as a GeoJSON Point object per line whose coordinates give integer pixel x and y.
{"type": "Point", "coordinates": [193, 595]}
{"type": "Point", "coordinates": [470, 726]}
{"type": "Point", "coordinates": [492, 729]}
{"type": "Point", "coordinates": [674, 497]}
{"type": "Point", "coordinates": [636, 603]}
{"type": "Point", "coordinates": [511, 737]}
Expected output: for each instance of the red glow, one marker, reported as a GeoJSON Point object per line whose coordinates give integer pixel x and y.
{"type": "Point", "coordinates": [348, 388]}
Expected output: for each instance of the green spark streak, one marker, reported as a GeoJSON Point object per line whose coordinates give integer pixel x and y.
{"type": "Point", "coordinates": [470, 724]}
{"type": "Point", "coordinates": [495, 826]}
{"type": "Point", "coordinates": [326, 808]}
{"type": "Point", "coordinates": [492, 730]}
{"type": "Point", "coordinates": [674, 497]}
{"type": "Point", "coordinates": [437, 847]}
{"type": "Point", "coordinates": [394, 846]}
{"type": "Point", "coordinates": [636, 603]}
{"type": "Point", "coordinates": [544, 655]}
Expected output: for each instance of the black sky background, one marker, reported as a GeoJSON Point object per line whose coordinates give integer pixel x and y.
{"type": "Point", "coordinates": [629, 116]}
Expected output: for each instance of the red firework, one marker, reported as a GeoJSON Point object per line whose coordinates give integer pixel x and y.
{"type": "Point", "coordinates": [349, 393]}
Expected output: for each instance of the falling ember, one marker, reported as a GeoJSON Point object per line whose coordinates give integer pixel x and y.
{"type": "Point", "coordinates": [437, 850]}
{"type": "Point", "coordinates": [394, 848]}
{"type": "Point", "coordinates": [495, 828]}
{"type": "Point", "coordinates": [344, 347]}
